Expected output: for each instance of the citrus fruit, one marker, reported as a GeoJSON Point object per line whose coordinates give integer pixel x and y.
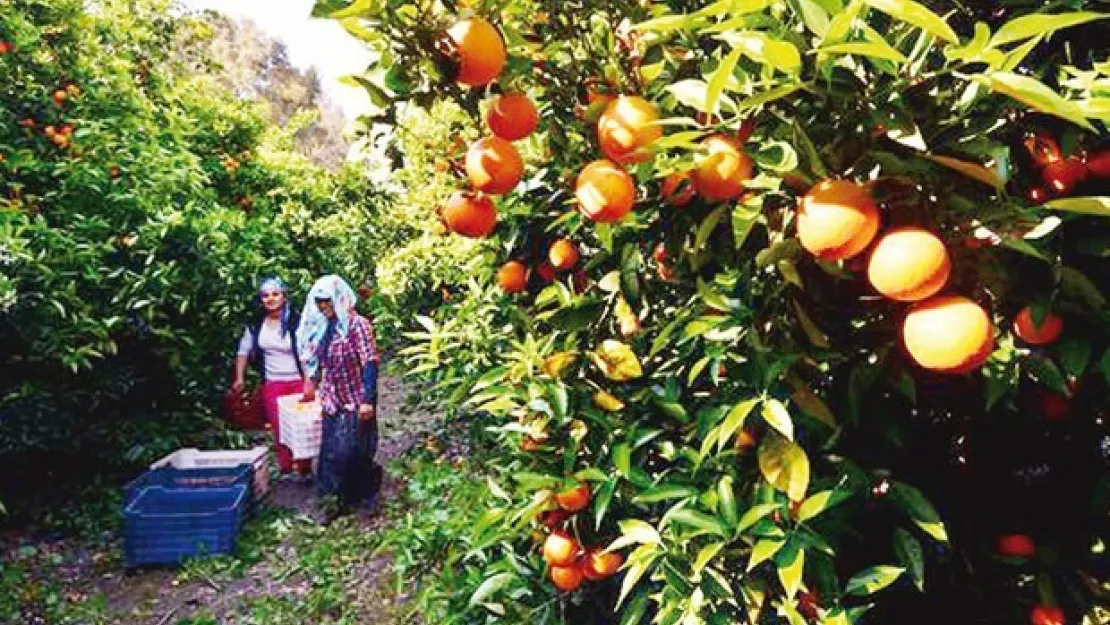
{"type": "Point", "coordinates": [837, 220]}
{"type": "Point", "coordinates": [949, 334]}
{"type": "Point", "coordinates": [909, 265]}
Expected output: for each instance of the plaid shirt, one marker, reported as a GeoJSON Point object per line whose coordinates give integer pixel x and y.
{"type": "Point", "coordinates": [341, 388]}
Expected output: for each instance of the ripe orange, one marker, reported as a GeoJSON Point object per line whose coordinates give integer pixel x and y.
{"type": "Point", "coordinates": [469, 214]}
{"type": "Point", "coordinates": [566, 578]}
{"type": "Point", "coordinates": [560, 549]}
{"type": "Point", "coordinates": [512, 116]}
{"type": "Point", "coordinates": [723, 169]}
{"type": "Point", "coordinates": [672, 184]}
{"type": "Point", "coordinates": [563, 254]}
{"type": "Point", "coordinates": [627, 128]}
{"type": "Point", "coordinates": [949, 334]}
{"type": "Point", "coordinates": [60, 96]}
{"type": "Point", "coordinates": [909, 264]}
{"type": "Point", "coordinates": [597, 565]}
{"type": "Point", "coordinates": [481, 51]}
{"type": "Point", "coordinates": [1016, 546]}
{"type": "Point", "coordinates": [1052, 326]}
{"type": "Point", "coordinates": [605, 191]}
{"type": "Point", "coordinates": [512, 276]}
{"type": "Point", "coordinates": [837, 220]}
{"type": "Point", "coordinates": [574, 499]}
{"type": "Point", "coordinates": [493, 165]}
{"type": "Point", "coordinates": [546, 272]}
{"type": "Point", "coordinates": [745, 440]}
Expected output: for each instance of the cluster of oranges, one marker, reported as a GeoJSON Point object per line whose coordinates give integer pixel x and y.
{"type": "Point", "coordinates": [1060, 174]}
{"type": "Point", "coordinates": [838, 220]}
{"type": "Point", "coordinates": [569, 564]}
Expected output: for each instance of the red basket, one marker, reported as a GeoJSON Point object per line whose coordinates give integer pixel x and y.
{"type": "Point", "coordinates": [245, 410]}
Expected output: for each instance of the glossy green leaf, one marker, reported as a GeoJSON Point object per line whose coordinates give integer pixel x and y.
{"type": "Point", "coordinates": [761, 48]}
{"type": "Point", "coordinates": [909, 552]}
{"type": "Point", "coordinates": [763, 551]}
{"type": "Point", "coordinates": [918, 15]}
{"type": "Point", "coordinates": [735, 421]}
{"type": "Point", "coordinates": [873, 49]}
{"type": "Point", "coordinates": [720, 78]}
{"type": "Point", "coordinates": [790, 574]}
{"type": "Point", "coordinates": [785, 466]}
{"type": "Point", "coordinates": [1099, 206]}
{"type": "Point", "coordinates": [1034, 94]}
{"type": "Point", "coordinates": [817, 503]}
{"type": "Point", "coordinates": [873, 580]}
{"type": "Point", "coordinates": [754, 514]}
{"type": "Point", "coordinates": [777, 416]}
{"type": "Point", "coordinates": [920, 510]}
{"type": "Point", "coordinates": [1034, 25]}
{"type": "Point", "coordinates": [699, 520]}
{"type": "Point", "coordinates": [665, 492]}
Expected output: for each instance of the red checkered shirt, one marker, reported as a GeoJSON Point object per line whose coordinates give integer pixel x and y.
{"type": "Point", "coordinates": [341, 385]}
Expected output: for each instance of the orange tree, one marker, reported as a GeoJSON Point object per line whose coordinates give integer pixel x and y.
{"type": "Point", "coordinates": [806, 304]}
{"type": "Point", "coordinates": [138, 205]}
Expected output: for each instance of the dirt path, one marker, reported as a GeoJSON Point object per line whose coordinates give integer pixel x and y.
{"type": "Point", "coordinates": [289, 568]}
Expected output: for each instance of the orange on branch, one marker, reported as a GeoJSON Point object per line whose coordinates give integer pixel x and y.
{"type": "Point", "coordinates": [563, 254]}
{"type": "Point", "coordinates": [837, 220]}
{"type": "Point", "coordinates": [598, 565]}
{"type": "Point", "coordinates": [494, 166]}
{"type": "Point", "coordinates": [723, 169]}
{"type": "Point", "coordinates": [480, 49]}
{"type": "Point", "coordinates": [512, 116]}
{"type": "Point", "coordinates": [605, 191]}
{"type": "Point", "coordinates": [560, 549]}
{"type": "Point", "coordinates": [469, 214]}
{"type": "Point", "coordinates": [627, 128]}
{"type": "Point", "coordinates": [948, 334]}
{"type": "Point", "coordinates": [677, 189]}
{"type": "Point", "coordinates": [1050, 329]}
{"type": "Point", "coordinates": [566, 578]}
{"type": "Point", "coordinates": [574, 499]}
{"type": "Point", "coordinates": [512, 277]}
{"type": "Point", "coordinates": [909, 264]}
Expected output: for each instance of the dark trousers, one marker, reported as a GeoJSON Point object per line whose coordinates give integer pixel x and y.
{"type": "Point", "coordinates": [347, 467]}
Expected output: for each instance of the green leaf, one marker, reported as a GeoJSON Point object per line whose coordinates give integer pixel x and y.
{"type": "Point", "coordinates": [873, 579]}
{"type": "Point", "coordinates": [815, 17]}
{"type": "Point", "coordinates": [817, 503]}
{"type": "Point", "coordinates": [755, 513]}
{"type": "Point", "coordinates": [791, 574]}
{"type": "Point", "coordinates": [1075, 355]}
{"type": "Point", "coordinates": [639, 532]}
{"type": "Point", "coordinates": [909, 552]}
{"type": "Point", "coordinates": [764, 97]}
{"type": "Point", "coordinates": [706, 555]}
{"type": "Point", "coordinates": [842, 23]}
{"type": "Point", "coordinates": [355, 9]}
{"type": "Point", "coordinates": [1028, 26]}
{"type": "Point", "coordinates": [633, 613]}
{"type": "Point", "coordinates": [871, 49]}
{"type": "Point", "coordinates": [622, 458]}
{"type": "Point", "coordinates": [734, 421]}
{"type": "Point", "coordinates": [1099, 206]}
{"type": "Point", "coordinates": [975, 171]}
{"type": "Point", "coordinates": [664, 24]}
{"type": "Point", "coordinates": [700, 520]}
{"type": "Point", "coordinates": [920, 510]}
{"type": "Point", "coordinates": [708, 225]}
{"type": "Point", "coordinates": [665, 492]}
{"type": "Point", "coordinates": [1074, 285]}
{"type": "Point", "coordinates": [918, 15]}
{"type": "Point", "coordinates": [744, 219]}
{"type": "Point", "coordinates": [601, 501]}
{"type": "Point", "coordinates": [1034, 94]}
{"type": "Point", "coordinates": [813, 159]}
{"type": "Point", "coordinates": [720, 78]}
{"type": "Point", "coordinates": [777, 156]}
{"type": "Point", "coordinates": [726, 501]}
{"type": "Point", "coordinates": [761, 48]}
{"type": "Point", "coordinates": [638, 563]}
{"type": "Point", "coordinates": [764, 550]}
{"type": "Point", "coordinates": [490, 586]}
{"type": "Point", "coordinates": [776, 415]}
{"type": "Point", "coordinates": [816, 336]}
{"type": "Point", "coordinates": [785, 466]}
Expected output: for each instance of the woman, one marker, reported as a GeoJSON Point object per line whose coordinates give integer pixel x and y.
{"type": "Point", "coordinates": [270, 342]}
{"type": "Point", "coordinates": [339, 356]}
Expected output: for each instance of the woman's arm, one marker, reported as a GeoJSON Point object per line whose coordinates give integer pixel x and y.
{"type": "Point", "coordinates": [241, 360]}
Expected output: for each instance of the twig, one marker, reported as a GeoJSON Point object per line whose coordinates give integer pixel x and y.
{"type": "Point", "coordinates": [165, 619]}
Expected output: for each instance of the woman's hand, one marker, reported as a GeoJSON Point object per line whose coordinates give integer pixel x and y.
{"type": "Point", "coordinates": [309, 390]}
{"type": "Point", "coordinates": [365, 412]}
{"type": "Point", "coordinates": [238, 385]}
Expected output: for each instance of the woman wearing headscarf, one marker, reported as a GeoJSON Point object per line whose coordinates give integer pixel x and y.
{"type": "Point", "coordinates": [270, 343]}
{"type": "Point", "coordinates": [340, 359]}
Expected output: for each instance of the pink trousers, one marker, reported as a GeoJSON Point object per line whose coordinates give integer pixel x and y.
{"type": "Point", "coordinates": [271, 390]}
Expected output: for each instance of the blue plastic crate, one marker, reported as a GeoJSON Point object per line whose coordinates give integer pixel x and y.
{"type": "Point", "coordinates": [167, 525]}
{"type": "Point", "coordinates": [170, 477]}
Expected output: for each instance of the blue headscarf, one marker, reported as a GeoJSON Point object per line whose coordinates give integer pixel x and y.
{"type": "Point", "coordinates": [316, 331]}
{"type": "Point", "coordinates": [274, 283]}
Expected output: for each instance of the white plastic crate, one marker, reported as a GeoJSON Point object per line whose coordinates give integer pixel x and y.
{"type": "Point", "coordinates": [300, 426]}
{"type": "Point", "coordinates": [193, 458]}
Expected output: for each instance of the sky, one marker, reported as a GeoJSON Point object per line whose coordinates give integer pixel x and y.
{"type": "Point", "coordinates": [318, 43]}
